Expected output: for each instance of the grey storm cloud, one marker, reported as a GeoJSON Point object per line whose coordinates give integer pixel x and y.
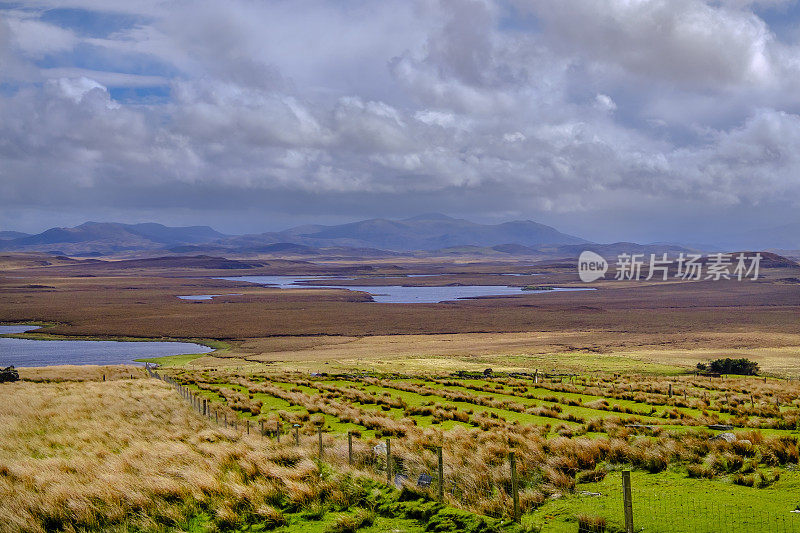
{"type": "Point", "coordinates": [523, 107]}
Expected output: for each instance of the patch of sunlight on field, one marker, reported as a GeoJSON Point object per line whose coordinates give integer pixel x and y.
{"type": "Point", "coordinates": [783, 360]}
{"type": "Point", "coordinates": [172, 360]}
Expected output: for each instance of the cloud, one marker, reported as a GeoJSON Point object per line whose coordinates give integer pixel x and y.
{"type": "Point", "coordinates": [685, 42]}
{"type": "Point", "coordinates": [603, 102]}
{"type": "Point", "coordinates": [366, 109]}
{"type": "Point", "coordinates": [34, 38]}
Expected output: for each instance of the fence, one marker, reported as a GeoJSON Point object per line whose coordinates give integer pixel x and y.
{"type": "Point", "coordinates": [628, 502]}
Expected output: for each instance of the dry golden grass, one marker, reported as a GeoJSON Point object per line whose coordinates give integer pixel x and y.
{"type": "Point", "coordinates": [80, 373]}
{"type": "Point", "coordinates": [104, 455]}
{"type": "Point", "coordinates": [579, 351]}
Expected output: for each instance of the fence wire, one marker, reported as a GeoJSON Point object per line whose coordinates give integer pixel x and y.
{"type": "Point", "coordinates": [655, 508]}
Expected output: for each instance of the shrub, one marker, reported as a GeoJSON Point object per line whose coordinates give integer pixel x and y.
{"type": "Point", "coordinates": [743, 367]}
{"type": "Point", "coordinates": [9, 374]}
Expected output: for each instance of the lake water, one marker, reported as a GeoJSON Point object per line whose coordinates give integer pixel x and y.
{"type": "Point", "coordinates": [397, 293]}
{"type": "Point", "coordinates": [27, 352]}
{"type": "Point", "coordinates": [204, 296]}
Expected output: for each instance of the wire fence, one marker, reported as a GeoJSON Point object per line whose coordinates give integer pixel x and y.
{"type": "Point", "coordinates": [647, 507]}
{"type": "Point", "coordinates": [667, 509]}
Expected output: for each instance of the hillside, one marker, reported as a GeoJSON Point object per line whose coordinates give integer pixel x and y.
{"type": "Point", "coordinates": [97, 238]}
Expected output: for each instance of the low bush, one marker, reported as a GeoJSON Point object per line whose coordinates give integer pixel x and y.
{"type": "Point", "coordinates": [742, 367]}
{"type": "Point", "coordinates": [9, 374]}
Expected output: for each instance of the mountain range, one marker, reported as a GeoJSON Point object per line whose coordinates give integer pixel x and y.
{"type": "Point", "coordinates": [367, 237]}
{"type": "Point", "coordinates": [103, 238]}
{"type": "Point", "coordinates": [379, 237]}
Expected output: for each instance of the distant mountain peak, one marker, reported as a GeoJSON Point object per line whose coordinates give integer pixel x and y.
{"type": "Point", "coordinates": [428, 216]}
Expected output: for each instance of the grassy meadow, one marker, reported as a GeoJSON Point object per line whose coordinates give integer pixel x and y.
{"type": "Point", "coordinates": [121, 454]}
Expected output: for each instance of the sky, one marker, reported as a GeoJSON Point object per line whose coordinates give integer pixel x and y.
{"type": "Point", "coordinates": [642, 120]}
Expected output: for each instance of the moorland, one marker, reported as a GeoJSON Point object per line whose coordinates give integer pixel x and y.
{"type": "Point", "coordinates": [580, 385]}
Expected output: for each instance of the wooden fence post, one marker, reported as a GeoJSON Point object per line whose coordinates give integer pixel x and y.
{"type": "Point", "coordinates": [512, 457]}
{"type": "Point", "coordinates": [441, 472]}
{"type": "Point", "coordinates": [248, 425]}
{"type": "Point", "coordinates": [320, 444]}
{"type": "Point", "coordinates": [388, 461]}
{"type": "Point", "coordinates": [627, 501]}
{"type": "Point", "coordinates": [262, 426]}
{"type": "Point", "coordinates": [278, 430]}
{"type": "Point", "coordinates": [349, 448]}
{"type": "Point", "coordinates": [297, 435]}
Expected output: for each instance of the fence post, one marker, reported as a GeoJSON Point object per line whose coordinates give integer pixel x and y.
{"type": "Point", "coordinates": [349, 448]}
{"type": "Point", "coordinates": [297, 435]}
{"type": "Point", "coordinates": [248, 425]}
{"type": "Point", "coordinates": [262, 426]}
{"type": "Point", "coordinates": [320, 444]}
{"type": "Point", "coordinates": [441, 473]}
{"type": "Point", "coordinates": [278, 430]}
{"type": "Point", "coordinates": [512, 457]}
{"type": "Point", "coordinates": [627, 501]}
{"type": "Point", "coordinates": [388, 461]}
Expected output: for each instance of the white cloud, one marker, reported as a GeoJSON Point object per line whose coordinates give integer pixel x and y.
{"type": "Point", "coordinates": [34, 38]}
{"type": "Point", "coordinates": [76, 88]}
{"type": "Point", "coordinates": [603, 102]}
{"type": "Point", "coordinates": [687, 42]}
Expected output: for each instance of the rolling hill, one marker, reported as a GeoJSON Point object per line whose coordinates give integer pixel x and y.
{"type": "Point", "coordinates": [110, 237]}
